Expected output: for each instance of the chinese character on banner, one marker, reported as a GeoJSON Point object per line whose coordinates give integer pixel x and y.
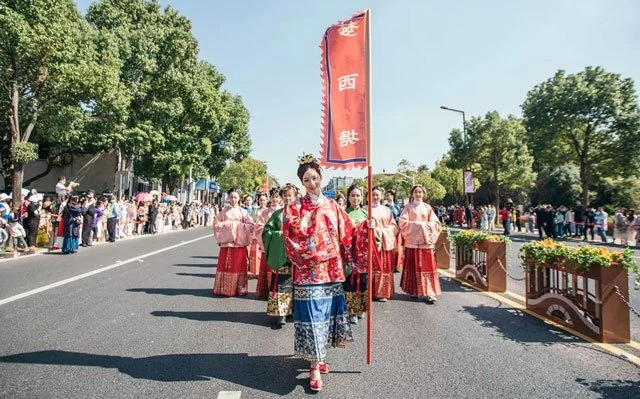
{"type": "Point", "coordinates": [347, 82]}
{"type": "Point", "coordinates": [345, 79]}
{"type": "Point", "coordinates": [469, 186]}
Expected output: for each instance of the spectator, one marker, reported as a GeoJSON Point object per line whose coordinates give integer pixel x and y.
{"type": "Point", "coordinates": [17, 233]}
{"type": "Point", "coordinates": [579, 217]}
{"type": "Point", "coordinates": [505, 217]}
{"type": "Point", "coordinates": [113, 213]}
{"type": "Point", "coordinates": [63, 190]}
{"type": "Point", "coordinates": [589, 221]}
{"type": "Point", "coordinates": [601, 224]}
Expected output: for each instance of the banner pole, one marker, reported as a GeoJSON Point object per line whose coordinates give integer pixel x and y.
{"type": "Point", "coordinates": [370, 248]}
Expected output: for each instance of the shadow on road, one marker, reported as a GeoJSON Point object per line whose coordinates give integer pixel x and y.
{"type": "Point", "coordinates": [516, 325]}
{"type": "Point", "coordinates": [196, 264]}
{"type": "Point", "coordinates": [254, 318]}
{"type": "Point", "coordinates": [446, 285]}
{"type": "Point", "coordinates": [613, 389]}
{"type": "Point", "coordinates": [205, 275]}
{"type": "Point", "coordinates": [204, 257]}
{"type": "Point", "coordinates": [203, 292]}
{"type": "Point", "coordinates": [274, 374]}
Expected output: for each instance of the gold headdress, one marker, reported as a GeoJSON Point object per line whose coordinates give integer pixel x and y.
{"type": "Point", "coordinates": [306, 159]}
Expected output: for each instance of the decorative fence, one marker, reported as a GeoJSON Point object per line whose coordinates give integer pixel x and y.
{"type": "Point", "coordinates": [481, 264]}
{"type": "Point", "coordinates": [443, 251]}
{"type": "Point", "coordinates": [585, 301]}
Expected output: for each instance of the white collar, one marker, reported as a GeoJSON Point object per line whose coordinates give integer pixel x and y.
{"type": "Point", "coordinates": [316, 199]}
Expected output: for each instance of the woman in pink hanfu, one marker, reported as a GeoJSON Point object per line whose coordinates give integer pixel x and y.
{"type": "Point", "coordinates": [262, 217]}
{"type": "Point", "coordinates": [233, 230]}
{"type": "Point", "coordinates": [419, 227]}
{"type": "Point", "coordinates": [386, 232]}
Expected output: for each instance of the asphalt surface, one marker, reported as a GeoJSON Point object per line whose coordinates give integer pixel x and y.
{"type": "Point", "coordinates": [149, 328]}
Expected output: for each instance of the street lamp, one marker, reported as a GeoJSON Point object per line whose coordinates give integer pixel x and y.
{"type": "Point", "coordinates": [464, 121]}
{"type": "Point", "coordinates": [413, 178]}
{"type": "Point", "coordinates": [468, 198]}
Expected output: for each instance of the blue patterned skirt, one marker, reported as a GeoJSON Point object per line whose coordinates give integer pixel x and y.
{"type": "Point", "coordinates": [320, 315]}
{"type": "Point", "coordinates": [70, 245]}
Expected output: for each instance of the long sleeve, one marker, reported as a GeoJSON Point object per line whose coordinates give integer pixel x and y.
{"type": "Point", "coordinates": [233, 228]}
{"type": "Point", "coordinates": [419, 226]}
{"type": "Point", "coordinates": [273, 242]}
{"type": "Point", "coordinates": [388, 231]}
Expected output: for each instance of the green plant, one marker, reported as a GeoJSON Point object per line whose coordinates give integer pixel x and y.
{"type": "Point", "coordinates": [580, 259]}
{"type": "Point", "coordinates": [466, 238]}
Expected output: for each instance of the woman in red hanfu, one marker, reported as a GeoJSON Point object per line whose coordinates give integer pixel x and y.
{"type": "Point", "coordinates": [233, 230]}
{"type": "Point", "coordinates": [355, 286]}
{"type": "Point", "coordinates": [317, 237]}
{"type": "Point", "coordinates": [419, 227]}
{"type": "Point", "coordinates": [386, 232]}
{"type": "Point", "coordinates": [262, 217]}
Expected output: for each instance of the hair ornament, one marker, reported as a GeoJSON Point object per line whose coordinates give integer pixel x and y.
{"type": "Point", "coordinates": [306, 159]}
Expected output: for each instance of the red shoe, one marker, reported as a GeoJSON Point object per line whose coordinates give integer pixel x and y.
{"type": "Point", "coordinates": [324, 368]}
{"type": "Point", "coordinates": [315, 385]}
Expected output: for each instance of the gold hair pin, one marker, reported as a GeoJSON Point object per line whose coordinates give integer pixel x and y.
{"type": "Point", "coordinates": [306, 159]}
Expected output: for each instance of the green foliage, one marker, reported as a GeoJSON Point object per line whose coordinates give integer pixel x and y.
{"type": "Point", "coordinates": [23, 152]}
{"type": "Point", "coordinates": [175, 110]}
{"type": "Point", "coordinates": [496, 149]}
{"type": "Point", "coordinates": [247, 175]}
{"type": "Point", "coordinates": [467, 238]}
{"type": "Point", "coordinates": [578, 259]}
{"type": "Point", "coordinates": [48, 63]}
{"type": "Point", "coordinates": [557, 186]}
{"type": "Point", "coordinates": [612, 193]}
{"type": "Point", "coordinates": [590, 119]}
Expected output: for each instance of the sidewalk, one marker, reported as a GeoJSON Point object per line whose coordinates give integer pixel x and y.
{"type": "Point", "coordinates": [7, 256]}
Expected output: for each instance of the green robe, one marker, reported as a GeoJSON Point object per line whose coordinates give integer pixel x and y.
{"type": "Point", "coordinates": [273, 242]}
{"type": "Point", "coordinates": [357, 215]}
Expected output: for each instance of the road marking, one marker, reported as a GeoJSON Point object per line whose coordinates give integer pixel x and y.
{"type": "Point", "coordinates": [608, 347]}
{"type": "Point", "coordinates": [229, 394]}
{"type": "Point", "coordinates": [634, 344]}
{"type": "Point", "coordinates": [91, 273]}
{"type": "Point", "coordinates": [516, 296]}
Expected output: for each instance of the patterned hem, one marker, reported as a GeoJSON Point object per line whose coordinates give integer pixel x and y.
{"type": "Point", "coordinates": [230, 284]}
{"type": "Point", "coordinates": [320, 320]}
{"type": "Point", "coordinates": [281, 304]}
{"type": "Point", "coordinates": [382, 285]}
{"type": "Point", "coordinates": [421, 284]}
{"type": "Point", "coordinates": [356, 303]}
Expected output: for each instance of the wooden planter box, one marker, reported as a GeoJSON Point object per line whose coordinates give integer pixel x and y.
{"type": "Point", "coordinates": [583, 301]}
{"type": "Point", "coordinates": [479, 265]}
{"type": "Point", "coordinates": [443, 251]}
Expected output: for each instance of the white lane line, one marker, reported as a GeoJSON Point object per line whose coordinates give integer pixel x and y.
{"type": "Point", "coordinates": [91, 273]}
{"type": "Point", "coordinates": [229, 394]}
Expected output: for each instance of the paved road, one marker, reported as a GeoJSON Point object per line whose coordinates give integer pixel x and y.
{"type": "Point", "coordinates": [149, 328]}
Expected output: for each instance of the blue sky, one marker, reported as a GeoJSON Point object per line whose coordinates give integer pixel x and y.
{"type": "Point", "coordinates": [477, 56]}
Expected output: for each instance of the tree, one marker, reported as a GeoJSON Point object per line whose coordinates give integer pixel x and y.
{"type": "Point", "coordinates": [177, 114]}
{"type": "Point", "coordinates": [556, 186]}
{"type": "Point", "coordinates": [247, 175]}
{"type": "Point", "coordinates": [590, 119]}
{"type": "Point", "coordinates": [618, 192]}
{"type": "Point", "coordinates": [450, 179]}
{"type": "Point", "coordinates": [49, 68]}
{"type": "Point", "coordinates": [497, 151]}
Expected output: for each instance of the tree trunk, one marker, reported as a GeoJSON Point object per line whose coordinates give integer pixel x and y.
{"type": "Point", "coordinates": [585, 181]}
{"type": "Point", "coordinates": [18, 174]}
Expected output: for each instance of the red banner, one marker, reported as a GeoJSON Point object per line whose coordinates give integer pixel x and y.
{"type": "Point", "coordinates": [345, 83]}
